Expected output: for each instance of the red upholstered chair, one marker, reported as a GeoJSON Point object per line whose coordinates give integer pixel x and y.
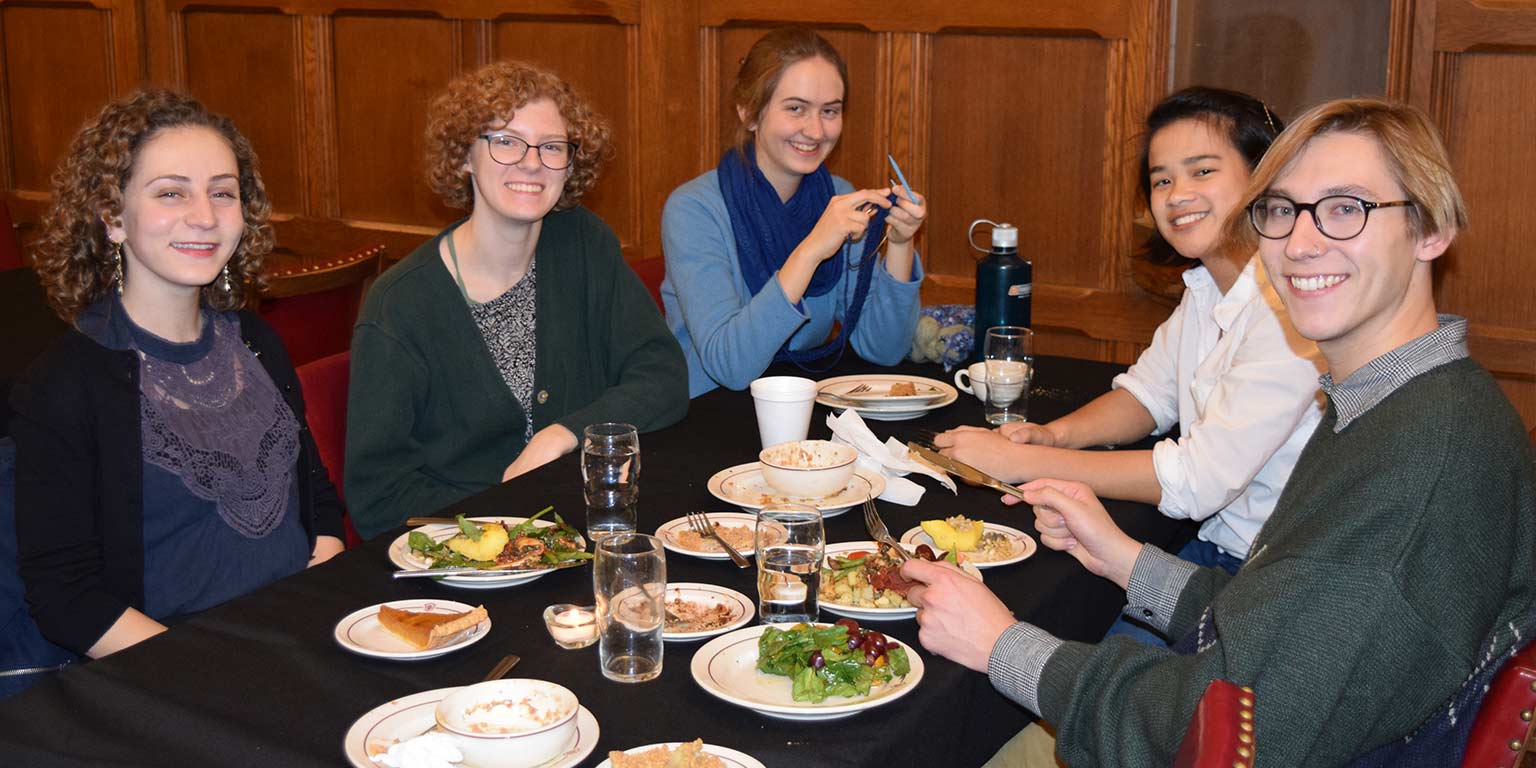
{"type": "Point", "coordinates": [1221, 733]}
{"type": "Point", "coordinates": [10, 244]}
{"type": "Point", "coordinates": [325, 396]}
{"type": "Point", "coordinates": [313, 305]}
{"type": "Point", "coordinates": [1501, 734]}
{"type": "Point", "coordinates": [651, 272]}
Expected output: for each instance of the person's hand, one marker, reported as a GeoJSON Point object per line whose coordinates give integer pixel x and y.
{"type": "Point", "coordinates": [957, 616]}
{"type": "Point", "coordinates": [1028, 432]}
{"type": "Point", "coordinates": [906, 216]}
{"type": "Point", "coordinates": [548, 444]}
{"type": "Point", "coordinates": [985, 450]}
{"type": "Point", "coordinates": [326, 547]}
{"type": "Point", "coordinates": [845, 219]}
{"type": "Point", "coordinates": [1071, 519]}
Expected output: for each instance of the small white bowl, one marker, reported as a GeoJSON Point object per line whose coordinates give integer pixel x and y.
{"type": "Point", "coordinates": [517, 723]}
{"type": "Point", "coordinates": [808, 469]}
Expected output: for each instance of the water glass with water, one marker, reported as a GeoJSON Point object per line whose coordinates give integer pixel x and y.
{"type": "Point", "coordinates": [610, 475]}
{"type": "Point", "coordinates": [1010, 359]}
{"type": "Point", "coordinates": [629, 582]}
{"type": "Point", "coordinates": [790, 542]}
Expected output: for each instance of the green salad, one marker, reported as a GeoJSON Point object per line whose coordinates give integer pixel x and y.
{"type": "Point", "coordinates": [496, 546]}
{"type": "Point", "coordinates": [836, 660]}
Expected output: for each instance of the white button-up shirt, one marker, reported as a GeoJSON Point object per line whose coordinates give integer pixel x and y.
{"type": "Point", "coordinates": [1242, 387]}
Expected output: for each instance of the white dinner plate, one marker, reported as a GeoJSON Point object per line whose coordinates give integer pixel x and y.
{"type": "Point", "coordinates": [743, 485]}
{"type": "Point", "coordinates": [669, 530]}
{"type": "Point", "coordinates": [411, 716]}
{"type": "Point", "coordinates": [730, 757]}
{"type": "Point", "coordinates": [726, 668]}
{"type": "Point", "coordinates": [877, 392]}
{"type": "Point", "coordinates": [401, 555]}
{"type": "Point", "coordinates": [361, 633]}
{"type": "Point", "coordinates": [855, 612]}
{"type": "Point", "coordinates": [1023, 544]}
{"type": "Point", "coordinates": [742, 607]}
{"type": "Point", "coordinates": [886, 409]}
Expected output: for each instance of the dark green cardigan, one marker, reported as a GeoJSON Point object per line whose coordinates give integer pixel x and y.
{"type": "Point", "coordinates": [429, 418]}
{"type": "Point", "coordinates": [1400, 556]}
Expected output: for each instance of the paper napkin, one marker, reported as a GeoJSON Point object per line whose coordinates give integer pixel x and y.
{"type": "Point", "coordinates": [888, 458]}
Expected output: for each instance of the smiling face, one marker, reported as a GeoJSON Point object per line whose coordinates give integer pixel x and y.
{"type": "Point", "coordinates": [1362, 297]}
{"type": "Point", "coordinates": [526, 191]}
{"type": "Point", "coordinates": [800, 124]}
{"type": "Point", "coordinates": [1197, 179]}
{"type": "Point", "coordinates": [181, 219]}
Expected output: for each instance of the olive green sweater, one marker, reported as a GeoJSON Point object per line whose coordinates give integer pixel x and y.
{"type": "Point", "coordinates": [430, 419]}
{"type": "Point", "coordinates": [1401, 555]}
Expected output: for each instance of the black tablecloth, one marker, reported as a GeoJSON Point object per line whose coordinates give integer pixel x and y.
{"type": "Point", "coordinates": [260, 682]}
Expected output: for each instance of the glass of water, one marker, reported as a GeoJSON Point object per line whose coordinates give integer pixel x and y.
{"type": "Point", "coordinates": [1010, 359]}
{"type": "Point", "coordinates": [629, 582]}
{"type": "Point", "coordinates": [610, 475]}
{"type": "Point", "coordinates": [790, 542]}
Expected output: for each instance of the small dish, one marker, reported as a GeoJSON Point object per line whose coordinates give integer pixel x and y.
{"type": "Point", "coordinates": [361, 633]}
{"type": "Point", "coordinates": [807, 469]}
{"type": "Point", "coordinates": [671, 532]}
{"type": "Point", "coordinates": [516, 723]}
{"type": "Point", "coordinates": [744, 486]}
{"type": "Point", "coordinates": [741, 608]}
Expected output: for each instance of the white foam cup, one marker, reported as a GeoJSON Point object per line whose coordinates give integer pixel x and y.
{"type": "Point", "coordinates": [783, 408]}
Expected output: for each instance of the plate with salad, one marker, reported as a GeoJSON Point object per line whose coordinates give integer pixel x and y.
{"type": "Point", "coordinates": [510, 550]}
{"type": "Point", "coordinates": [807, 671]}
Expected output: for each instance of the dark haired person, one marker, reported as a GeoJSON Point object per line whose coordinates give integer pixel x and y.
{"type": "Point", "coordinates": [488, 350]}
{"type": "Point", "coordinates": [163, 465]}
{"type": "Point", "coordinates": [1398, 570]}
{"type": "Point", "coordinates": [1226, 376]}
{"type": "Point", "coordinates": [769, 252]}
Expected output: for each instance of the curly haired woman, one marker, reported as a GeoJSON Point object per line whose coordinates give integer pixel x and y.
{"type": "Point", "coordinates": [163, 462]}
{"type": "Point", "coordinates": [490, 348]}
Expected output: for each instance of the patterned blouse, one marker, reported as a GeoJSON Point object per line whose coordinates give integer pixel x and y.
{"type": "Point", "coordinates": [507, 323]}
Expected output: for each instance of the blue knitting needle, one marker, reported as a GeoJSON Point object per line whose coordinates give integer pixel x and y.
{"type": "Point", "coordinates": [902, 177]}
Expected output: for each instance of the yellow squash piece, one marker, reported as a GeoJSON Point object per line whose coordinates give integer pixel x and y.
{"type": "Point", "coordinates": [493, 539]}
{"type": "Point", "coordinates": [956, 534]}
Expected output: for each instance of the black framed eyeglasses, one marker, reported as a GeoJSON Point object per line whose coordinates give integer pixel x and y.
{"type": "Point", "coordinates": [510, 150]}
{"type": "Point", "coordinates": [1338, 217]}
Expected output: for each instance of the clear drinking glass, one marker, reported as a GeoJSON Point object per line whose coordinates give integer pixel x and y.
{"type": "Point", "coordinates": [629, 581]}
{"type": "Point", "coordinates": [610, 475]}
{"type": "Point", "coordinates": [1010, 358]}
{"type": "Point", "coordinates": [790, 542]}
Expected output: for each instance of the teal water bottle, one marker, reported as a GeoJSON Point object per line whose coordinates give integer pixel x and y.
{"type": "Point", "coordinates": [1004, 283]}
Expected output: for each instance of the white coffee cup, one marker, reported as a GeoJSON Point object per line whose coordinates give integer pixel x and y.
{"type": "Point", "coordinates": [783, 406]}
{"type": "Point", "coordinates": [974, 382]}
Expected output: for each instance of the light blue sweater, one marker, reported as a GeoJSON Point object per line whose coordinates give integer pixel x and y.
{"type": "Point", "coordinates": [729, 335]}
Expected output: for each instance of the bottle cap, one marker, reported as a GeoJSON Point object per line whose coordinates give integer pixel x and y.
{"type": "Point", "coordinates": [1005, 236]}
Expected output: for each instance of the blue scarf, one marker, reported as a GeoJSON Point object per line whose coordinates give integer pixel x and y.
{"type": "Point", "coordinates": [767, 230]}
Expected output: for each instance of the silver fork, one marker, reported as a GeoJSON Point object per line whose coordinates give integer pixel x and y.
{"type": "Point", "coordinates": [700, 524]}
{"type": "Point", "coordinates": [859, 390]}
{"type": "Point", "coordinates": [878, 530]}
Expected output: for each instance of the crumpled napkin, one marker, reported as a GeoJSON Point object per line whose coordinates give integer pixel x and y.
{"type": "Point", "coordinates": [889, 458]}
{"type": "Point", "coordinates": [429, 750]}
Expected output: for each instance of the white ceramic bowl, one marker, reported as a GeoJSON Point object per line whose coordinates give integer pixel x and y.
{"type": "Point", "coordinates": [808, 468]}
{"type": "Point", "coordinates": [517, 723]}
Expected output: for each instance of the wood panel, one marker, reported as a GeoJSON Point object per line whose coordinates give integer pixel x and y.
{"type": "Point", "coordinates": [1470, 64]}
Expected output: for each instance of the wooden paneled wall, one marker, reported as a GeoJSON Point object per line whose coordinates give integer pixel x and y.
{"type": "Point", "coordinates": [1021, 112]}
{"type": "Point", "coordinates": [1472, 65]}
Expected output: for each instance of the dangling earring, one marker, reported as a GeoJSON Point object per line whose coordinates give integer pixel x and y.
{"type": "Point", "coordinates": [117, 266]}
{"type": "Point", "coordinates": [225, 287]}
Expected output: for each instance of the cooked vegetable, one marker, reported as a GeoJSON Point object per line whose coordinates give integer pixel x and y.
{"type": "Point", "coordinates": [495, 546]}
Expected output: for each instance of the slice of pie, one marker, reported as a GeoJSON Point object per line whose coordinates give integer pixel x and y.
{"type": "Point", "coordinates": [423, 629]}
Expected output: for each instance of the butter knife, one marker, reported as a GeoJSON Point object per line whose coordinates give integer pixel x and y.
{"type": "Point", "coordinates": [434, 572]}
{"type": "Point", "coordinates": [964, 471]}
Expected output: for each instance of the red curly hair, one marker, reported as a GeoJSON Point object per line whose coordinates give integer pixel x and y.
{"type": "Point", "coordinates": [73, 257]}
{"type": "Point", "coordinates": [490, 95]}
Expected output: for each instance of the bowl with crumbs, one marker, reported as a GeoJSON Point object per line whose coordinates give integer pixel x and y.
{"type": "Point", "coordinates": [808, 469]}
{"type": "Point", "coordinates": [517, 723]}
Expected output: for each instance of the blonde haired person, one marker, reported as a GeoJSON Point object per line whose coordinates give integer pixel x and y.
{"type": "Point", "coordinates": [163, 461]}
{"type": "Point", "coordinates": [1399, 568]}
{"type": "Point", "coordinates": [487, 351]}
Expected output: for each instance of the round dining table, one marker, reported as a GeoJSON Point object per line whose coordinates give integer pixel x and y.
{"type": "Point", "coordinates": [260, 681]}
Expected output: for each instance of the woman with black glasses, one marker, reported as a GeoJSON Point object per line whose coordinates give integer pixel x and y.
{"type": "Point", "coordinates": [488, 350]}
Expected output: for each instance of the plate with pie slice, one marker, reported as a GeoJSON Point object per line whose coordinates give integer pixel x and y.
{"type": "Point", "coordinates": [408, 630]}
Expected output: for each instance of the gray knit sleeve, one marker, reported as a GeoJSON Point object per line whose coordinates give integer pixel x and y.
{"type": "Point", "coordinates": [1017, 660]}
{"type": "Point", "coordinates": [1157, 579]}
